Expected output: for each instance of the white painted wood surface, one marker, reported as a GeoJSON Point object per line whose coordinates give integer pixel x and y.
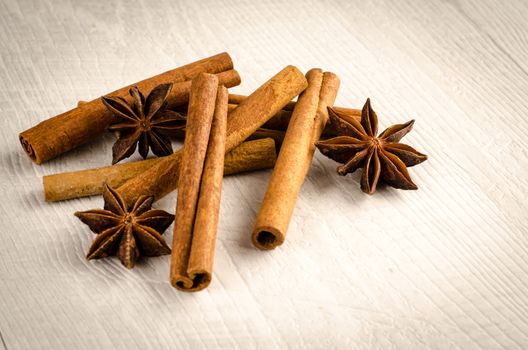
{"type": "Point", "coordinates": [442, 267]}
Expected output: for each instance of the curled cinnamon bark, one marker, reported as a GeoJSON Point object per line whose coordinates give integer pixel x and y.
{"type": "Point", "coordinates": [68, 130]}
{"type": "Point", "coordinates": [307, 123]}
{"type": "Point", "coordinates": [199, 188]}
{"type": "Point", "coordinates": [268, 130]}
{"type": "Point", "coordinates": [249, 156]}
{"type": "Point", "coordinates": [243, 121]}
{"type": "Point", "coordinates": [262, 133]}
{"type": "Point", "coordinates": [280, 120]}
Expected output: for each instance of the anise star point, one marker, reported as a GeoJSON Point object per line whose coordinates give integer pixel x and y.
{"type": "Point", "coordinates": [127, 231]}
{"type": "Point", "coordinates": [146, 123]}
{"type": "Point", "coordinates": [382, 157]}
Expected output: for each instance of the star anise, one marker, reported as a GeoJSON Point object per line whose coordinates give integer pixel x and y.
{"type": "Point", "coordinates": [147, 122]}
{"type": "Point", "coordinates": [381, 157]}
{"type": "Point", "coordinates": [128, 231]}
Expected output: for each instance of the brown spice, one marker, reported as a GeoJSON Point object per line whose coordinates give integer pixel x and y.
{"type": "Point", "coordinates": [280, 120]}
{"type": "Point", "coordinates": [249, 156]}
{"type": "Point", "coordinates": [276, 135]}
{"type": "Point", "coordinates": [146, 122]}
{"type": "Point", "coordinates": [199, 188]}
{"type": "Point", "coordinates": [128, 231]}
{"type": "Point", "coordinates": [382, 156]}
{"type": "Point", "coordinates": [306, 125]}
{"type": "Point", "coordinates": [243, 121]}
{"type": "Point", "coordinates": [265, 132]}
{"type": "Point", "coordinates": [68, 130]}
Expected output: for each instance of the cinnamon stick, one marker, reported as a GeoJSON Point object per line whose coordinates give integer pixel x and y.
{"type": "Point", "coordinates": [199, 189]}
{"type": "Point", "coordinates": [243, 121]}
{"type": "Point", "coordinates": [280, 120]}
{"type": "Point", "coordinates": [68, 130]}
{"type": "Point", "coordinates": [275, 128]}
{"type": "Point", "coordinates": [249, 156]}
{"type": "Point", "coordinates": [307, 123]}
{"type": "Point", "coordinates": [262, 133]}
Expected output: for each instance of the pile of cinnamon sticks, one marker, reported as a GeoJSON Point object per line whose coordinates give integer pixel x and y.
{"type": "Point", "coordinates": [248, 130]}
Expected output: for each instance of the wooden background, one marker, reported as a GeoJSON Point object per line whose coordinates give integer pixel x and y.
{"type": "Point", "coordinates": [442, 267]}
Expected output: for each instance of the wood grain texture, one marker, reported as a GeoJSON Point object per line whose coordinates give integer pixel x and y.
{"type": "Point", "coordinates": [442, 267]}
